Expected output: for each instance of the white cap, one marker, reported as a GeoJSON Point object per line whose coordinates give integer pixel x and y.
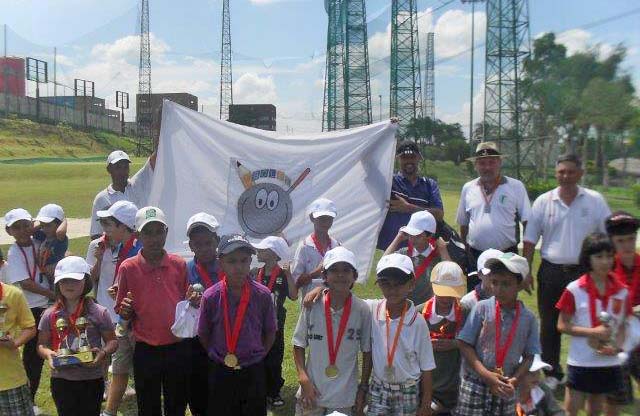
{"type": "Point", "coordinates": [337, 255]}
{"type": "Point", "coordinates": [72, 267]}
{"type": "Point", "coordinates": [491, 253]}
{"type": "Point", "coordinates": [323, 207]}
{"type": "Point", "coordinates": [49, 213]}
{"type": "Point", "coordinates": [420, 222]}
{"type": "Point", "coordinates": [16, 215]}
{"type": "Point", "coordinates": [538, 364]}
{"type": "Point", "coordinates": [276, 244]}
{"type": "Point", "coordinates": [515, 263]}
{"type": "Point", "coordinates": [149, 214]}
{"type": "Point", "coordinates": [395, 261]}
{"type": "Point", "coordinates": [123, 211]}
{"type": "Point", "coordinates": [447, 279]}
{"type": "Point", "coordinates": [116, 156]}
{"type": "Point", "coordinates": [203, 219]}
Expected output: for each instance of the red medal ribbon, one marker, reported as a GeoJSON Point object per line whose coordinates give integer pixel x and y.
{"type": "Point", "coordinates": [321, 250]}
{"type": "Point", "coordinates": [122, 254]}
{"type": "Point", "coordinates": [501, 351]}
{"type": "Point", "coordinates": [275, 271]}
{"type": "Point", "coordinates": [632, 280]}
{"type": "Point", "coordinates": [441, 334]}
{"type": "Point", "coordinates": [1, 290]}
{"type": "Point", "coordinates": [232, 337]}
{"type": "Point", "coordinates": [204, 275]}
{"type": "Point", "coordinates": [32, 274]}
{"type": "Point", "coordinates": [592, 290]}
{"type": "Point", "coordinates": [391, 352]}
{"type": "Point", "coordinates": [346, 311]}
{"type": "Point", "coordinates": [55, 337]}
{"type": "Point", "coordinates": [422, 267]}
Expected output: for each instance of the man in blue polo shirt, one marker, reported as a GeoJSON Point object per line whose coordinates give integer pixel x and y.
{"type": "Point", "coordinates": [409, 193]}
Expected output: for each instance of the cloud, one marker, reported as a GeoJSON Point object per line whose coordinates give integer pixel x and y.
{"type": "Point", "coordinates": [128, 49]}
{"type": "Point", "coordinates": [462, 116]}
{"type": "Point", "coordinates": [250, 88]}
{"type": "Point", "coordinates": [579, 40]}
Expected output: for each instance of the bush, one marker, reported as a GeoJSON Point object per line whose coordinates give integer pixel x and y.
{"type": "Point", "coordinates": [537, 188]}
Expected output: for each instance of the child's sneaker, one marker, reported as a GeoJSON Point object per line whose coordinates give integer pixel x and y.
{"type": "Point", "coordinates": [276, 401]}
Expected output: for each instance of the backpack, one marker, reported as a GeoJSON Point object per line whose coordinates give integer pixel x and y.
{"type": "Point", "coordinates": [455, 245]}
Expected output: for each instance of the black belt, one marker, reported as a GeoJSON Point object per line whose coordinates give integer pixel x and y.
{"type": "Point", "coordinates": [567, 268]}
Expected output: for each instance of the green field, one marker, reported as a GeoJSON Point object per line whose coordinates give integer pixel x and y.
{"type": "Point", "coordinates": [73, 185]}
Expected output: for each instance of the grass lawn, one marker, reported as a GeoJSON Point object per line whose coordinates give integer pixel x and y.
{"type": "Point", "coordinates": [74, 185]}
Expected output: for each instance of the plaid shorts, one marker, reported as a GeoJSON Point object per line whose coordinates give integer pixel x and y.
{"type": "Point", "coordinates": [630, 369]}
{"type": "Point", "coordinates": [475, 399]}
{"type": "Point", "coordinates": [320, 411]}
{"type": "Point", "coordinates": [393, 399]}
{"type": "Point", "coordinates": [16, 402]}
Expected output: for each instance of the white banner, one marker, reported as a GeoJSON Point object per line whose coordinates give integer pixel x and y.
{"type": "Point", "coordinates": [260, 183]}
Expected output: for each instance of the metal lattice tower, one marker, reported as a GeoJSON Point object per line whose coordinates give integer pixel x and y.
{"type": "Point", "coordinates": [357, 88]}
{"type": "Point", "coordinates": [226, 78]}
{"type": "Point", "coordinates": [333, 109]}
{"type": "Point", "coordinates": [505, 121]}
{"type": "Point", "coordinates": [429, 91]}
{"type": "Point", "coordinates": [144, 111]}
{"type": "Point", "coordinates": [406, 96]}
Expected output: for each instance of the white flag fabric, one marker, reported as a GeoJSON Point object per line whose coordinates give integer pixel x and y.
{"type": "Point", "coordinates": [260, 183]}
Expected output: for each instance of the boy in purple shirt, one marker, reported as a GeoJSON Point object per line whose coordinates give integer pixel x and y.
{"type": "Point", "coordinates": [237, 327]}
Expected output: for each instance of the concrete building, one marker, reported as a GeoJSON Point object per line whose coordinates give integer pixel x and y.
{"type": "Point", "coordinates": [259, 116]}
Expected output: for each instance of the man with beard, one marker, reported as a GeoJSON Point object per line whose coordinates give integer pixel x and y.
{"type": "Point", "coordinates": [409, 193]}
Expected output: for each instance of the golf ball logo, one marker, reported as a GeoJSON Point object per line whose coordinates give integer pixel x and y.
{"type": "Point", "coordinates": [265, 208]}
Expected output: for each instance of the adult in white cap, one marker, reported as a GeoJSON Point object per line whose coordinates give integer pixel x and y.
{"type": "Point", "coordinates": [482, 290]}
{"type": "Point", "coordinates": [134, 189]}
{"type": "Point", "coordinates": [76, 389]}
{"type": "Point", "coordinates": [150, 285]}
{"type": "Point", "coordinates": [410, 193]}
{"type": "Point", "coordinates": [275, 274]}
{"type": "Point", "coordinates": [105, 255]}
{"type": "Point", "coordinates": [307, 261]}
{"type": "Point", "coordinates": [535, 398]}
{"type": "Point", "coordinates": [562, 217]}
{"type": "Point", "coordinates": [491, 206]}
{"type": "Point", "coordinates": [424, 248]}
{"type": "Point", "coordinates": [22, 271]}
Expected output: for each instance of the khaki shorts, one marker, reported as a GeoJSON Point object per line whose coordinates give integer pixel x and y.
{"type": "Point", "coordinates": [122, 360]}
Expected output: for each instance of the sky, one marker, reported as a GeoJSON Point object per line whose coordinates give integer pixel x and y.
{"type": "Point", "coordinates": [279, 48]}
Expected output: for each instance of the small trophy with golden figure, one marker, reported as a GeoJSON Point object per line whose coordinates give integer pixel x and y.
{"type": "Point", "coordinates": [4, 308]}
{"type": "Point", "coordinates": [65, 355]}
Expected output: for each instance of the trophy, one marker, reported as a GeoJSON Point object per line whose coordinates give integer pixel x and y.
{"type": "Point", "coordinates": [65, 356]}
{"type": "Point", "coordinates": [3, 312]}
{"type": "Point", "coordinates": [198, 288]}
{"type": "Point", "coordinates": [610, 346]}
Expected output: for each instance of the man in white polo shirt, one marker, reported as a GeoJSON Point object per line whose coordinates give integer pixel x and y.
{"type": "Point", "coordinates": [490, 207]}
{"type": "Point", "coordinates": [563, 217]}
{"type": "Point", "coordinates": [122, 188]}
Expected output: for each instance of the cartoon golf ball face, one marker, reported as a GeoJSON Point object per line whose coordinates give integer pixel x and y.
{"type": "Point", "coordinates": [264, 208]}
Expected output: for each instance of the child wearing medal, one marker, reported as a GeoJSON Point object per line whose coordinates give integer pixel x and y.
{"type": "Point", "coordinates": [22, 271]}
{"type": "Point", "coordinates": [483, 289]}
{"type": "Point", "coordinates": [76, 389]}
{"type": "Point", "coordinates": [237, 327]}
{"type": "Point", "coordinates": [444, 317]}
{"type": "Point", "coordinates": [424, 249]}
{"type": "Point", "coordinates": [497, 333]}
{"type": "Point", "coordinates": [275, 274]}
{"type": "Point", "coordinates": [593, 310]}
{"type": "Point", "coordinates": [401, 348]}
{"type": "Point", "coordinates": [334, 330]}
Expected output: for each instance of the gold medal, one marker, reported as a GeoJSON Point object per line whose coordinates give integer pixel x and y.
{"type": "Point", "coordinates": [389, 373]}
{"type": "Point", "coordinates": [331, 371]}
{"type": "Point", "coordinates": [499, 371]}
{"type": "Point", "coordinates": [230, 360]}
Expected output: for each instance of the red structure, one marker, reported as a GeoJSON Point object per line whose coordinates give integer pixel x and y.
{"type": "Point", "coordinates": [12, 79]}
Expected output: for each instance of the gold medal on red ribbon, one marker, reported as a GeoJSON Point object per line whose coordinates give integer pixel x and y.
{"type": "Point", "coordinates": [331, 371]}
{"type": "Point", "coordinates": [389, 369]}
{"type": "Point", "coordinates": [390, 373]}
{"type": "Point", "coordinates": [230, 360]}
{"type": "Point", "coordinates": [231, 337]}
